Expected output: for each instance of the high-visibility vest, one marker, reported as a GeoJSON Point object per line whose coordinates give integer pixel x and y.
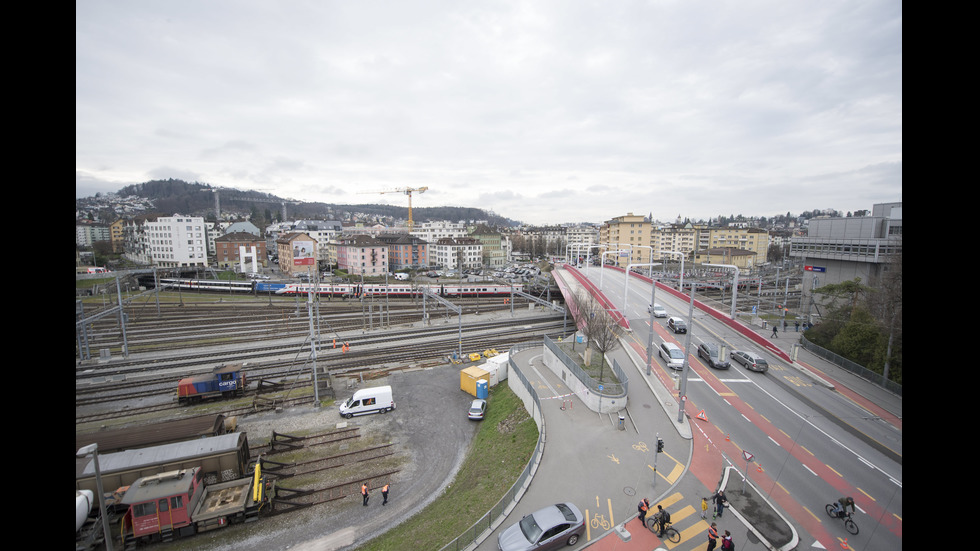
{"type": "Point", "coordinates": [385, 488]}
{"type": "Point", "coordinates": [364, 489]}
{"type": "Point", "coordinates": [712, 533]}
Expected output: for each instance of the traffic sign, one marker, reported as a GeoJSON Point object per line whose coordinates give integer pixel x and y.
{"type": "Point", "coordinates": [748, 456]}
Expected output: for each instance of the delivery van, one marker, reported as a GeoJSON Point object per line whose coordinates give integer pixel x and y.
{"type": "Point", "coordinates": [368, 400]}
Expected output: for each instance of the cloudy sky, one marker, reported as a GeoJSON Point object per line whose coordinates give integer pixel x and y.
{"type": "Point", "coordinates": [545, 111]}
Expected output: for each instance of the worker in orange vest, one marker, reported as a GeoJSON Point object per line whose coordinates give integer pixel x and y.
{"type": "Point", "coordinates": [364, 492]}
{"type": "Point", "coordinates": [642, 509]}
{"type": "Point", "coordinates": [384, 492]}
{"type": "Point", "coordinates": [712, 536]}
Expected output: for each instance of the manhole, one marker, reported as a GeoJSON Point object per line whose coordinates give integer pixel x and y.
{"type": "Point", "coordinates": [629, 491]}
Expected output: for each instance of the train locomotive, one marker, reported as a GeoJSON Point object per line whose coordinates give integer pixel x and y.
{"type": "Point", "coordinates": [224, 381]}
{"type": "Point", "coordinates": [179, 503]}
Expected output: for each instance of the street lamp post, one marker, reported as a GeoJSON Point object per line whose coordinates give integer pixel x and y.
{"type": "Point", "coordinates": [93, 450]}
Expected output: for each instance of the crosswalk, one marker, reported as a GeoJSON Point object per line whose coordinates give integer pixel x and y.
{"type": "Point", "coordinates": [686, 519]}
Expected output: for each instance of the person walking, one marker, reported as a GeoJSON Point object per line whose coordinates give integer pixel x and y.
{"type": "Point", "coordinates": [384, 494]}
{"type": "Point", "coordinates": [704, 508]}
{"type": "Point", "coordinates": [774, 328]}
{"type": "Point", "coordinates": [364, 492]}
{"type": "Point", "coordinates": [712, 536]}
{"type": "Point", "coordinates": [719, 499]}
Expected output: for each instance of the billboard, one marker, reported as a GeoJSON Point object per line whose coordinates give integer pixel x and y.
{"type": "Point", "coordinates": [303, 253]}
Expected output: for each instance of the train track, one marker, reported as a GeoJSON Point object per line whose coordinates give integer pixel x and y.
{"type": "Point", "coordinates": [114, 388]}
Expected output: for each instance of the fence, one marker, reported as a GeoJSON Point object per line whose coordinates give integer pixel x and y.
{"type": "Point", "coordinates": [854, 368]}
{"type": "Point", "coordinates": [609, 389]}
{"type": "Point", "coordinates": [498, 512]}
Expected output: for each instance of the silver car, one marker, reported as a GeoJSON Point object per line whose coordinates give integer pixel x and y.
{"type": "Point", "coordinates": [554, 526]}
{"type": "Point", "coordinates": [478, 409]}
{"type": "Point", "coordinates": [750, 360]}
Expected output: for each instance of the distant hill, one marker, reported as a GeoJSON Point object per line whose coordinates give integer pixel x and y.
{"type": "Point", "coordinates": [171, 196]}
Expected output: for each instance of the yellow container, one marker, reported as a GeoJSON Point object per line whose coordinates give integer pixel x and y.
{"type": "Point", "coordinates": [469, 376]}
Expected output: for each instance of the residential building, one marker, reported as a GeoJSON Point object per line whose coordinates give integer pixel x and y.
{"type": "Point", "coordinates": [672, 241]}
{"type": "Point", "coordinates": [728, 256]}
{"type": "Point", "coordinates": [628, 234]}
{"type": "Point", "coordinates": [297, 253]}
{"type": "Point", "coordinates": [362, 255]}
{"type": "Point", "coordinates": [430, 232]}
{"type": "Point", "coordinates": [176, 241]}
{"type": "Point", "coordinates": [229, 248]}
{"type": "Point", "coordinates": [405, 251]}
{"type": "Point", "coordinates": [87, 234]}
{"type": "Point", "coordinates": [494, 249]}
{"type": "Point", "coordinates": [453, 253]}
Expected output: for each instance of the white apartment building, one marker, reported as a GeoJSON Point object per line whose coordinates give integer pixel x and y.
{"type": "Point", "coordinates": [176, 241]}
{"type": "Point", "coordinates": [456, 253]}
{"type": "Point", "coordinates": [430, 232]}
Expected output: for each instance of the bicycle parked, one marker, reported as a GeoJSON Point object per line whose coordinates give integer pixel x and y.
{"type": "Point", "coordinates": [848, 519]}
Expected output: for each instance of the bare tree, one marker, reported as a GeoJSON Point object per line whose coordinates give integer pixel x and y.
{"type": "Point", "coordinates": [600, 330]}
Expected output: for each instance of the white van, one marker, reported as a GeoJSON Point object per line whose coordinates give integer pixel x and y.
{"type": "Point", "coordinates": [401, 276]}
{"type": "Point", "coordinates": [368, 400]}
{"type": "Point", "coordinates": [673, 355]}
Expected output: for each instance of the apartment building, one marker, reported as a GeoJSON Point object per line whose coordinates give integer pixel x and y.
{"type": "Point", "coordinates": [362, 255]}
{"type": "Point", "coordinates": [630, 235]}
{"type": "Point", "coordinates": [167, 241]}
{"type": "Point", "coordinates": [494, 247]}
{"type": "Point", "coordinates": [430, 232]}
{"type": "Point", "coordinates": [452, 253]}
{"type": "Point", "coordinates": [672, 241]}
{"type": "Point", "coordinates": [229, 248]}
{"type": "Point", "coordinates": [405, 251]}
{"type": "Point", "coordinates": [297, 253]}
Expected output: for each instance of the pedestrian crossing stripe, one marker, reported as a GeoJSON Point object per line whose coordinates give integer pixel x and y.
{"type": "Point", "coordinates": [675, 473]}
{"type": "Point", "coordinates": [688, 534]}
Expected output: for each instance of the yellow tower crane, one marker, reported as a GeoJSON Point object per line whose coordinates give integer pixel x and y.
{"type": "Point", "coordinates": [407, 191]}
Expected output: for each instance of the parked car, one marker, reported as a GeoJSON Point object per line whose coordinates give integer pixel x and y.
{"type": "Point", "coordinates": [554, 526]}
{"type": "Point", "coordinates": [750, 360]}
{"type": "Point", "coordinates": [677, 325]}
{"type": "Point", "coordinates": [711, 353]}
{"type": "Point", "coordinates": [478, 409]}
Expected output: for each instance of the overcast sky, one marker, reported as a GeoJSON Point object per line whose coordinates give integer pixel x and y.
{"type": "Point", "coordinates": [541, 111]}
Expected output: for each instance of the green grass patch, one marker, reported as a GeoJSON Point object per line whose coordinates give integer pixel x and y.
{"type": "Point", "coordinates": [499, 452]}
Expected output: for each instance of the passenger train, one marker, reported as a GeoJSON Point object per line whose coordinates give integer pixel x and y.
{"type": "Point", "coordinates": [345, 290]}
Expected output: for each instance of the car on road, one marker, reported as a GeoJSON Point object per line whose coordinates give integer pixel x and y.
{"type": "Point", "coordinates": [672, 354]}
{"type": "Point", "coordinates": [658, 311]}
{"type": "Point", "coordinates": [711, 353]}
{"type": "Point", "coordinates": [553, 527]}
{"type": "Point", "coordinates": [478, 409]}
{"type": "Point", "coordinates": [677, 325]}
{"type": "Point", "coordinates": [750, 360]}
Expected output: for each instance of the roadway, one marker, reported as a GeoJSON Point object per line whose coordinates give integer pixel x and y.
{"type": "Point", "coordinates": [813, 432]}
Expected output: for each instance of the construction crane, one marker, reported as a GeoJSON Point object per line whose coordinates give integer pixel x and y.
{"type": "Point", "coordinates": [407, 191]}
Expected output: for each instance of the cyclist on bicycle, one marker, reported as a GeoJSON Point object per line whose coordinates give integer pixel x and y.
{"type": "Point", "coordinates": [840, 506]}
{"type": "Point", "coordinates": [662, 518]}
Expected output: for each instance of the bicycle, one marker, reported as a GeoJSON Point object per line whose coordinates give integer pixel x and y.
{"type": "Point", "coordinates": [849, 523]}
{"type": "Point", "coordinates": [670, 533]}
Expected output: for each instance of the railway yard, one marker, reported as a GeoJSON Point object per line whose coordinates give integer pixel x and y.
{"type": "Point", "coordinates": [313, 461]}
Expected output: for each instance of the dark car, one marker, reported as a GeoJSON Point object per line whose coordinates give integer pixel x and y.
{"type": "Point", "coordinates": [677, 325]}
{"type": "Point", "coordinates": [711, 353]}
{"type": "Point", "coordinates": [750, 360]}
{"type": "Point", "coordinates": [554, 526]}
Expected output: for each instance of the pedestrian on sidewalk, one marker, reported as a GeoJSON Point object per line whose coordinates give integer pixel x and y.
{"type": "Point", "coordinates": [704, 508]}
{"type": "Point", "coordinates": [774, 327]}
{"type": "Point", "coordinates": [364, 493]}
{"type": "Point", "coordinates": [384, 493]}
{"type": "Point", "coordinates": [719, 499]}
{"type": "Point", "coordinates": [712, 536]}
